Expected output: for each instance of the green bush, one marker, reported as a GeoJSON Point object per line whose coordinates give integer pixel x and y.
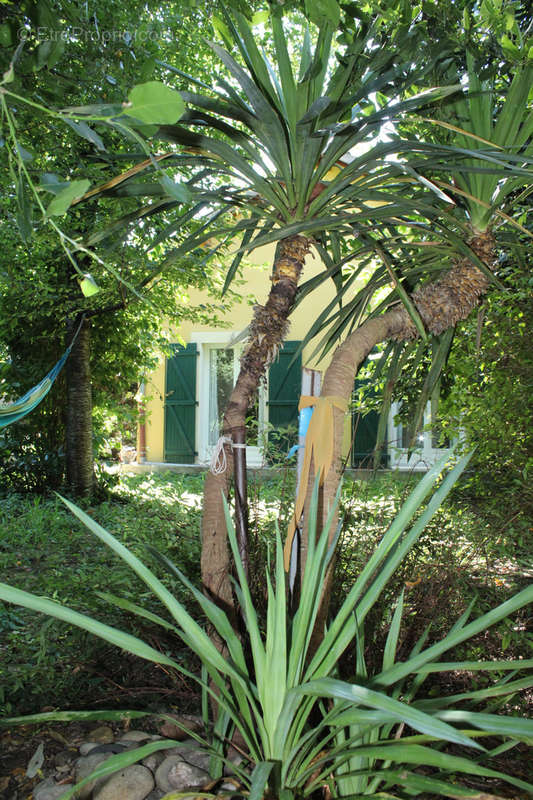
{"type": "Point", "coordinates": [489, 401]}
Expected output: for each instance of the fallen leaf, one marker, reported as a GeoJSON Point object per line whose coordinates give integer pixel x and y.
{"type": "Point", "coordinates": [36, 762]}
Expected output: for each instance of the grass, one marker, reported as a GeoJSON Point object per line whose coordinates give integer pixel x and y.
{"type": "Point", "coordinates": [43, 549]}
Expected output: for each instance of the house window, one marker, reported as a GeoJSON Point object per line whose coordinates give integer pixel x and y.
{"type": "Point", "coordinates": [221, 382]}
{"type": "Point", "coordinates": [224, 364]}
{"type": "Point", "coordinates": [218, 368]}
{"type": "Point", "coordinates": [199, 380]}
{"type": "Point", "coordinates": [408, 436]}
{"type": "Point", "coordinates": [428, 446]}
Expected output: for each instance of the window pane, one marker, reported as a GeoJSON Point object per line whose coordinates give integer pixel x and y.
{"type": "Point", "coordinates": [407, 436]}
{"type": "Point", "coordinates": [252, 423]}
{"type": "Point", "coordinates": [220, 387]}
{"type": "Point", "coordinates": [408, 432]}
{"type": "Point", "coordinates": [223, 366]}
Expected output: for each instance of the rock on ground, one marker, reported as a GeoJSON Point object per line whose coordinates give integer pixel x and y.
{"type": "Point", "coordinates": [154, 760]}
{"type": "Point", "coordinates": [132, 783]}
{"type": "Point", "coordinates": [134, 736]}
{"type": "Point", "coordinates": [175, 774]}
{"type": "Point", "coordinates": [50, 790]}
{"type": "Point", "coordinates": [83, 768]}
{"type": "Point", "coordinates": [188, 751]}
{"type": "Point", "coordinates": [101, 735]}
{"type": "Point", "coordinates": [156, 794]}
{"type": "Point", "coordinates": [86, 747]}
{"type": "Point", "coordinates": [176, 731]}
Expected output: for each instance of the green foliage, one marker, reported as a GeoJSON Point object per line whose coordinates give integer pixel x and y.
{"type": "Point", "coordinates": [271, 143]}
{"type": "Point", "coordinates": [84, 64]}
{"type": "Point", "coordinates": [489, 399]}
{"type": "Point", "coordinates": [66, 197]}
{"type": "Point", "coordinates": [155, 104]}
{"type": "Point", "coordinates": [32, 452]}
{"type": "Point", "coordinates": [459, 557]}
{"type": "Point", "coordinates": [46, 549]}
{"type": "Point", "coordinates": [125, 346]}
{"type": "Point", "coordinates": [354, 741]}
{"type": "Point", "coordinates": [477, 127]}
{"type": "Point", "coordinates": [462, 557]}
{"type": "Point", "coordinates": [273, 147]}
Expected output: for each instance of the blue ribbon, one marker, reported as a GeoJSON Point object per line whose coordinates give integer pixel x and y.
{"type": "Point", "coordinates": [304, 418]}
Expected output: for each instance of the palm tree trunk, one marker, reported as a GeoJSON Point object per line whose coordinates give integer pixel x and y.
{"type": "Point", "coordinates": [79, 427]}
{"type": "Point", "coordinates": [267, 331]}
{"type": "Point", "coordinates": [441, 304]}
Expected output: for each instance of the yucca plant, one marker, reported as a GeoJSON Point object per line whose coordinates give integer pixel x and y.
{"type": "Point", "coordinates": [302, 726]}
{"type": "Point", "coordinates": [291, 143]}
{"type": "Point", "coordinates": [492, 137]}
{"type": "Point", "coordinates": [287, 147]}
{"type": "Point", "coordinates": [294, 130]}
{"type": "Point", "coordinates": [485, 194]}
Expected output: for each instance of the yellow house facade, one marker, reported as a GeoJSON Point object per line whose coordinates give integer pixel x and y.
{"type": "Point", "coordinates": [216, 352]}
{"type": "Point", "coordinates": [185, 396]}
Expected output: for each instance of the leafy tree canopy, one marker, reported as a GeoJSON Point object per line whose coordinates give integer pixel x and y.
{"type": "Point", "coordinates": [55, 56]}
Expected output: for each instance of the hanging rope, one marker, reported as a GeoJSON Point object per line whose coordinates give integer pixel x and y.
{"type": "Point", "coordinates": [219, 461]}
{"type": "Point", "coordinates": [17, 409]}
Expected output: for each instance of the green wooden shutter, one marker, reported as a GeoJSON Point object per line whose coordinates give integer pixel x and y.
{"type": "Point", "coordinates": [284, 387]}
{"type": "Point", "coordinates": [180, 405]}
{"type": "Point", "coordinates": [365, 427]}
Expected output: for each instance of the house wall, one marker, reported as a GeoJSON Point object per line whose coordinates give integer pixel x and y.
{"type": "Point", "coordinates": [256, 287]}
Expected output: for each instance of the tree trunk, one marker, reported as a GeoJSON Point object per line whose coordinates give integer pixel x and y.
{"type": "Point", "coordinates": [441, 305]}
{"type": "Point", "coordinates": [267, 330]}
{"type": "Point", "coordinates": [79, 426]}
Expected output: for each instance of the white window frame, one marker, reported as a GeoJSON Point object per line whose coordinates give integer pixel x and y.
{"type": "Point", "coordinates": [422, 457]}
{"type": "Point", "coordinates": [206, 341]}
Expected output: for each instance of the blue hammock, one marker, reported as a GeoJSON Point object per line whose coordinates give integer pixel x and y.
{"type": "Point", "coordinates": [15, 410]}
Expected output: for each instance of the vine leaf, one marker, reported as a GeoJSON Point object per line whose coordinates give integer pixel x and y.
{"type": "Point", "coordinates": [155, 103]}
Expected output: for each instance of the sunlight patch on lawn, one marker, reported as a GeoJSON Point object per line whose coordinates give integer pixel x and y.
{"type": "Point", "coordinates": [159, 489]}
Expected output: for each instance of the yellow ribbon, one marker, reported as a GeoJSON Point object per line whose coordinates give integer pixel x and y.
{"type": "Point", "coordinates": [319, 442]}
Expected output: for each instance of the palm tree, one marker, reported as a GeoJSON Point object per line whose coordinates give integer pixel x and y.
{"type": "Point", "coordinates": [304, 160]}
{"type": "Point", "coordinates": [300, 154]}
{"type": "Point", "coordinates": [486, 194]}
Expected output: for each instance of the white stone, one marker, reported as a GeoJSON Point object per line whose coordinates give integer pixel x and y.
{"type": "Point", "coordinates": [174, 773]}
{"type": "Point", "coordinates": [86, 747]}
{"type": "Point", "coordinates": [84, 767]}
{"type": "Point", "coordinates": [134, 736]}
{"type": "Point", "coordinates": [50, 790]}
{"type": "Point", "coordinates": [132, 783]}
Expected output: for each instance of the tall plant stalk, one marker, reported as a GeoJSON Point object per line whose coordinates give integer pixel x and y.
{"type": "Point", "coordinates": [441, 305]}
{"type": "Point", "coordinates": [79, 425]}
{"type": "Point", "coordinates": [267, 332]}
